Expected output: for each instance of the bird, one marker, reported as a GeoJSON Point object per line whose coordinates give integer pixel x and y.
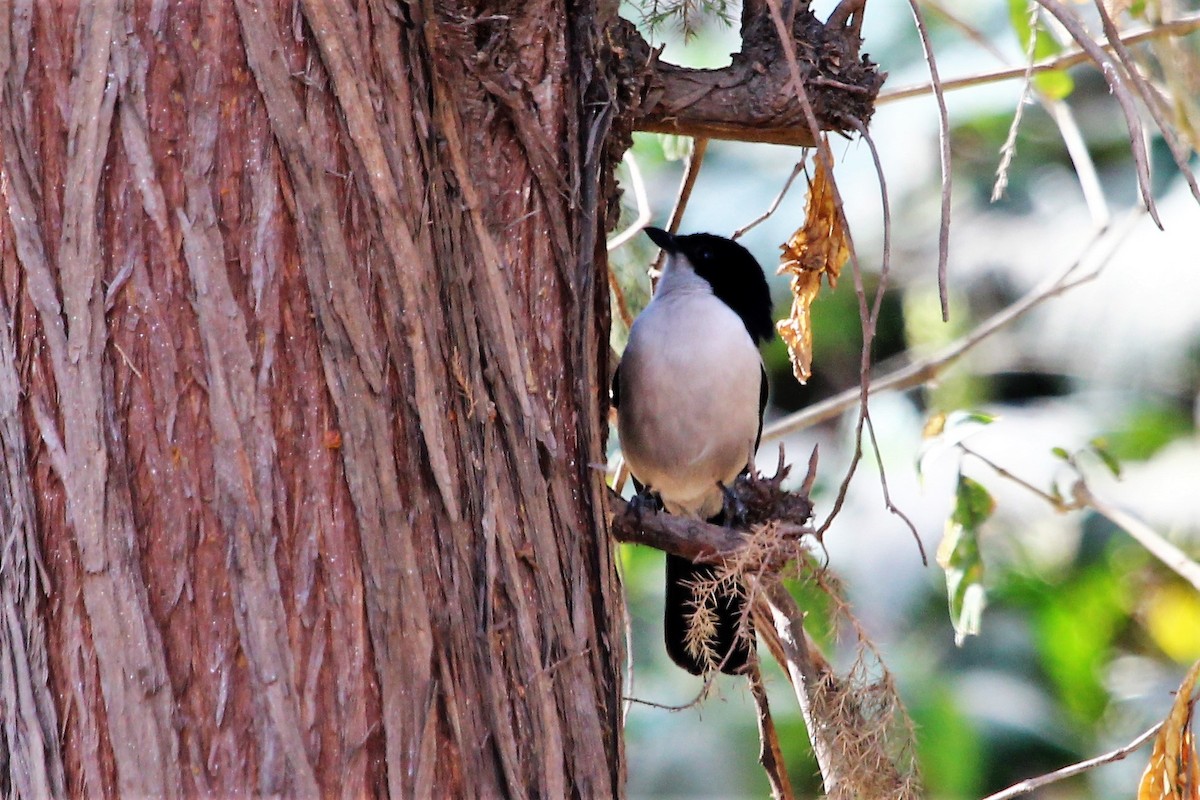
{"type": "Point", "coordinates": [689, 392]}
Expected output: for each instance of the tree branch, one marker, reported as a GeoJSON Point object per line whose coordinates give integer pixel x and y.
{"type": "Point", "coordinates": [750, 100]}
{"type": "Point", "coordinates": [1029, 784]}
{"type": "Point", "coordinates": [1146, 536]}
{"type": "Point", "coordinates": [810, 676]}
{"type": "Point", "coordinates": [693, 539]}
{"type": "Point", "coordinates": [770, 753]}
{"type": "Point", "coordinates": [1178, 27]}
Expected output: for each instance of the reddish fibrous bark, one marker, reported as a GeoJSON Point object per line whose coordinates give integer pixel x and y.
{"type": "Point", "coordinates": [301, 336]}
{"type": "Point", "coordinates": [303, 345]}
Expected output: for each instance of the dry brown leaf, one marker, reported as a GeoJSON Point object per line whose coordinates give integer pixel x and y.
{"type": "Point", "coordinates": [1173, 772]}
{"type": "Point", "coordinates": [818, 248]}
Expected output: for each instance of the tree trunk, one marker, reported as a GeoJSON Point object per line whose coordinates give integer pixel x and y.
{"type": "Point", "coordinates": [303, 337]}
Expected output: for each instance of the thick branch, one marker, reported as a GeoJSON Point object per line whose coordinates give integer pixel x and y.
{"type": "Point", "coordinates": [751, 100]}
{"type": "Point", "coordinates": [702, 542]}
{"type": "Point", "coordinates": [810, 677]}
{"type": "Point", "coordinates": [693, 539]}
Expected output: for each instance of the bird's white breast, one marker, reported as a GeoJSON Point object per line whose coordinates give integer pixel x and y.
{"type": "Point", "coordinates": [689, 411]}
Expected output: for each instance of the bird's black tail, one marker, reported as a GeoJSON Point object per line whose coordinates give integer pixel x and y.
{"type": "Point", "coordinates": [726, 650]}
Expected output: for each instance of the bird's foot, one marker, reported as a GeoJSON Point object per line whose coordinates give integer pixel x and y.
{"type": "Point", "coordinates": [733, 510]}
{"type": "Point", "coordinates": [643, 500]}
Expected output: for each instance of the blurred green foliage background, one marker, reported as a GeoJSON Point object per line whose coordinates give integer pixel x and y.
{"type": "Point", "coordinates": [1085, 635]}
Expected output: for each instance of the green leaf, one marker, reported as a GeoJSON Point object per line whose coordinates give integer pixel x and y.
{"type": "Point", "coordinates": [958, 418]}
{"type": "Point", "coordinates": [1061, 453]}
{"type": "Point", "coordinates": [973, 504]}
{"type": "Point", "coordinates": [960, 557]}
{"type": "Point", "coordinates": [1100, 448]}
{"type": "Point", "coordinates": [1056, 84]}
{"type": "Point", "coordinates": [1137, 9]}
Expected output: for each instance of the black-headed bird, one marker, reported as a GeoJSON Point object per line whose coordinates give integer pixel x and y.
{"type": "Point", "coordinates": [689, 393]}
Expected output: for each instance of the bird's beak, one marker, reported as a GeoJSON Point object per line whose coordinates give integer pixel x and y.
{"type": "Point", "coordinates": [661, 238]}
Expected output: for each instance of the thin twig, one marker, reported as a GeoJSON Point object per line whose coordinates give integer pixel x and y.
{"type": "Point", "coordinates": [1009, 150]}
{"type": "Point", "coordinates": [693, 703]}
{"type": "Point", "coordinates": [619, 295]}
{"type": "Point", "coordinates": [1081, 158]}
{"type": "Point", "coordinates": [926, 369]}
{"type": "Point", "coordinates": [864, 415]}
{"type": "Point", "coordinates": [1146, 536]}
{"type": "Point", "coordinates": [1082, 497]}
{"type": "Point", "coordinates": [1181, 154]}
{"type": "Point", "coordinates": [643, 203]}
{"type": "Point", "coordinates": [944, 153]}
{"type": "Point", "coordinates": [1029, 784]}
{"type": "Point", "coordinates": [1109, 69]}
{"type": "Point", "coordinates": [796, 170]}
{"type": "Point", "coordinates": [968, 30]}
{"type": "Point", "coordinates": [865, 316]}
{"type": "Point", "coordinates": [1179, 27]}
{"type": "Point", "coordinates": [1059, 111]}
{"type": "Point", "coordinates": [887, 496]}
{"type": "Point", "coordinates": [690, 173]}
{"type": "Point", "coordinates": [1058, 503]}
{"type": "Point", "coordinates": [789, 637]}
{"type": "Point", "coordinates": [770, 754]}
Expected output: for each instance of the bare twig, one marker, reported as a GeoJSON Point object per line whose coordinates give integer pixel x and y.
{"type": "Point", "coordinates": [770, 754]}
{"type": "Point", "coordinates": [619, 295]}
{"type": "Point", "coordinates": [1009, 150]}
{"type": "Point", "coordinates": [643, 216]}
{"type": "Point", "coordinates": [1146, 536]}
{"type": "Point", "coordinates": [693, 703]}
{"type": "Point", "coordinates": [887, 497]}
{"type": "Point", "coordinates": [1178, 27]}
{"type": "Point", "coordinates": [681, 536]}
{"type": "Point", "coordinates": [866, 317]}
{"type": "Point", "coordinates": [690, 173]}
{"type": "Point", "coordinates": [927, 369]}
{"type": "Point", "coordinates": [643, 204]}
{"type": "Point", "coordinates": [1081, 158]}
{"type": "Point", "coordinates": [1059, 111]}
{"type": "Point", "coordinates": [1058, 503]}
{"type": "Point", "coordinates": [1082, 497]}
{"type": "Point", "coordinates": [1109, 69]}
{"type": "Point", "coordinates": [796, 170]}
{"type": "Point", "coordinates": [1178, 151]}
{"type": "Point", "coordinates": [694, 539]}
{"type": "Point", "coordinates": [944, 152]}
{"type": "Point", "coordinates": [1029, 784]}
{"type": "Point", "coordinates": [864, 415]}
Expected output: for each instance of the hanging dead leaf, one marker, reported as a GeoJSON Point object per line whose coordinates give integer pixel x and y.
{"type": "Point", "coordinates": [1173, 772]}
{"type": "Point", "coordinates": [818, 248]}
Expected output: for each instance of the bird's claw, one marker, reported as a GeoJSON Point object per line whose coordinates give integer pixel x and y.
{"type": "Point", "coordinates": [644, 500]}
{"type": "Point", "coordinates": [732, 508]}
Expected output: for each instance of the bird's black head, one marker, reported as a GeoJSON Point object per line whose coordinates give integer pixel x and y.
{"type": "Point", "coordinates": [734, 274]}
